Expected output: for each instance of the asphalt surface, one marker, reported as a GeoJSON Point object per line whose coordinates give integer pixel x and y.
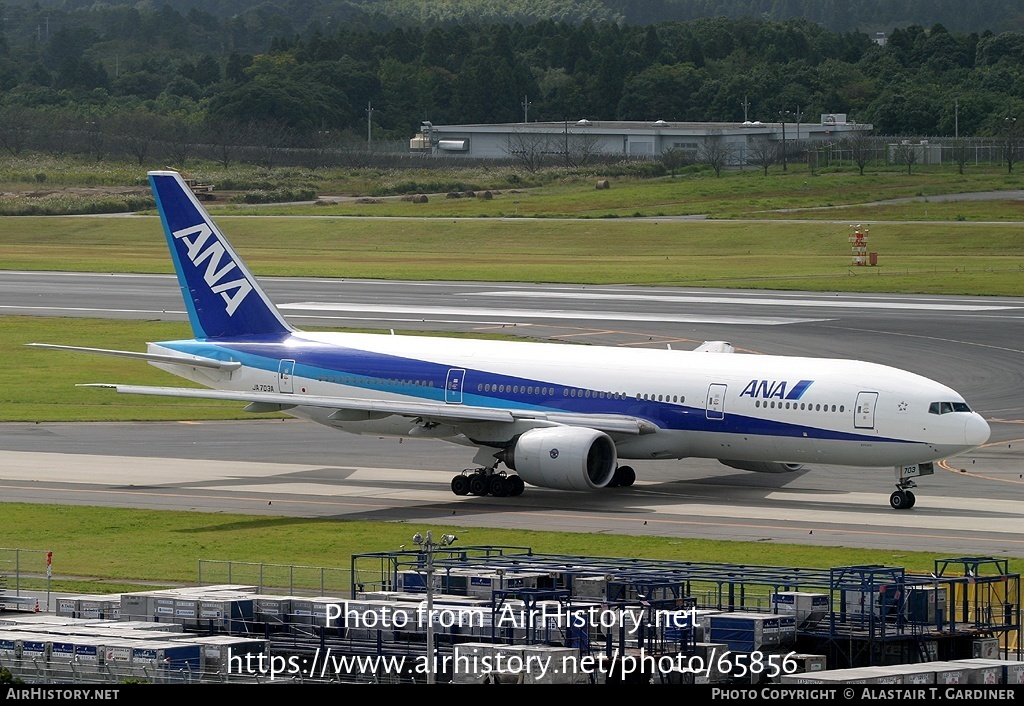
{"type": "Point", "coordinates": [972, 506]}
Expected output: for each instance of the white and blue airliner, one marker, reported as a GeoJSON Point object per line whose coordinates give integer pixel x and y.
{"type": "Point", "coordinates": [553, 415]}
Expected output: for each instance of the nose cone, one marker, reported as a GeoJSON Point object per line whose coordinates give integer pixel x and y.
{"type": "Point", "coordinates": [976, 431]}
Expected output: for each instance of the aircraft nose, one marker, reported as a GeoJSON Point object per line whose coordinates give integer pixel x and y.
{"type": "Point", "coordinates": [976, 431]}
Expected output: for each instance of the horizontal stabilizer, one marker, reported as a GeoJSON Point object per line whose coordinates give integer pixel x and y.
{"type": "Point", "coordinates": [225, 365]}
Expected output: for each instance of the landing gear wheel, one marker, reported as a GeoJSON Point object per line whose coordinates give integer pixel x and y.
{"type": "Point", "coordinates": [518, 486]}
{"type": "Point", "coordinates": [498, 486]}
{"type": "Point", "coordinates": [900, 501]}
{"type": "Point", "coordinates": [910, 499]}
{"type": "Point", "coordinates": [478, 484]}
{"type": "Point", "coordinates": [460, 485]}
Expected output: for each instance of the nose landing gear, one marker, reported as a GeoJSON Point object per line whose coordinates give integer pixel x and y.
{"type": "Point", "coordinates": [903, 498]}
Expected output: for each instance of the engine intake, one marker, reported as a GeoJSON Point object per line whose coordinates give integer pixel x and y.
{"type": "Point", "coordinates": [763, 466]}
{"type": "Point", "coordinates": [565, 458]}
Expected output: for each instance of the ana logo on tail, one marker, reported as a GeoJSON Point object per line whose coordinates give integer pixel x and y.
{"type": "Point", "coordinates": [234, 292]}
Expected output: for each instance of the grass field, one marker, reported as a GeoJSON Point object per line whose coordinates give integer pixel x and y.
{"type": "Point", "coordinates": [783, 231]}
{"type": "Point", "coordinates": [951, 257]}
{"type": "Point", "coordinates": [104, 550]}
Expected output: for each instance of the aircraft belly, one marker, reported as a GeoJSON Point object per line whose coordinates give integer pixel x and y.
{"type": "Point", "coordinates": [664, 444]}
{"type": "Point", "coordinates": [753, 447]}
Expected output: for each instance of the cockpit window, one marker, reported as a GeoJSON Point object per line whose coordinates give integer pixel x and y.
{"type": "Point", "coordinates": [947, 407]}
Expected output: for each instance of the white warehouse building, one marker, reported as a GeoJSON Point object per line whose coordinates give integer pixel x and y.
{"type": "Point", "coordinates": [623, 138]}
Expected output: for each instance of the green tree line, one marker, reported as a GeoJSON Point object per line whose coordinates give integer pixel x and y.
{"type": "Point", "coordinates": [118, 65]}
{"type": "Point", "coordinates": [837, 15]}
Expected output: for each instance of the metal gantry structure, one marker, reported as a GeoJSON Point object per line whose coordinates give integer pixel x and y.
{"type": "Point", "coordinates": [876, 614]}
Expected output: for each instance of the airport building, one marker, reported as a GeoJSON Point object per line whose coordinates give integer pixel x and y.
{"type": "Point", "coordinates": [580, 139]}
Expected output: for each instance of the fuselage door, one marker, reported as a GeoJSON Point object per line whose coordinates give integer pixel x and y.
{"type": "Point", "coordinates": [284, 376]}
{"type": "Point", "coordinates": [864, 414]}
{"type": "Point", "coordinates": [716, 401]}
{"type": "Point", "coordinates": [453, 386]}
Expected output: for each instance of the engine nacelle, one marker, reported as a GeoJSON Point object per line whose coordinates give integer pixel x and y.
{"type": "Point", "coordinates": [763, 466]}
{"type": "Point", "coordinates": [566, 458]}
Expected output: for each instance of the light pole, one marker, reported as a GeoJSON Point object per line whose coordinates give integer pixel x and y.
{"type": "Point", "coordinates": [783, 114]}
{"type": "Point", "coordinates": [1011, 141]}
{"type": "Point", "coordinates": [369, 121]}
{"type": "Point", "coordinates": [428, 547]}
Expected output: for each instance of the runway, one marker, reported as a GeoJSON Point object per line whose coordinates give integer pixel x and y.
{"type": "Point", "coordinates": [974, 506]}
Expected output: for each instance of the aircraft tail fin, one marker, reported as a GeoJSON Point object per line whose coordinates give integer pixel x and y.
{"type": "Point", "coordinates": [222, 297]}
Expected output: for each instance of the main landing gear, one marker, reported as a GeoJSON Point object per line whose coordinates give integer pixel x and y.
{"type": "Point", "coordinates": [903, 498]}
{"type": "Point", "coordinates": [484, 481]}
{"type": "Point", "coordinates": [490, 481]}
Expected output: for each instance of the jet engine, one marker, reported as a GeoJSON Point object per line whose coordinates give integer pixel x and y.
{"type": "Point", "coordinates": [566, 458]}
{"type": "Point", "coordinates": [763, 466]}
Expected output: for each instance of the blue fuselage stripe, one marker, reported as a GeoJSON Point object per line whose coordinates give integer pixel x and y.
{"type": "Point", "coordinates": [425, 380]}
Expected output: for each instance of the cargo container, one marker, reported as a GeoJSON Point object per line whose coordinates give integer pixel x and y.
{"type": "Point", "coordinates": [750, 632]}
{"type": "Point", "coordinates": [169, 661]}
{"type": "Point", "coordinates": [230, 612]}
{"type": "Point", "coordinates": [926, 604]}
{"type": "Point", "coordinates": [708, 667]}
{"type": "Point", "coordinates": [1010, 671]}
{"type": "Point", "coordinates": [226, 654]}
{"type": "Point", "coordinates": [985, 648]}
{"type": "Point", "coordinates": [807, 608]}
{"type": "Point", "coordinates": [857, 675]}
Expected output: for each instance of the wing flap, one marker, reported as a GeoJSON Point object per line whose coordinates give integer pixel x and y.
{"type": "Point", "coordinates": [619, 424]}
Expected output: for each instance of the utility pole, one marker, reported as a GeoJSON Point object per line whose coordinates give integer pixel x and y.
{"type": "Point", "coordinates": [566, 134]}
{"type": "Point", "coordinates": [428, 546]}
{"type": "Point", "coordinates": [369, 121]}
{"type": "Point", "coordinates": [1011, 140]}
{"type": "Point", "coordinates": [746, 105]}
{"type": "Point", "coordinates": [783, 114]}
{"type": "Point", "coordinates": [526, 109]}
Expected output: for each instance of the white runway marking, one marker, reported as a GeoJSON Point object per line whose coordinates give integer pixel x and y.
{"type": "Point", "coordinates": [491, 314]}
{"type": "Point", "coordinates": [130, 470]}
{"type": "Point", "coordinates": [324, 490]}
{"type": "Point", "coordinates": [153, 471]}
{"type": "Point", "coordinates": [755, 300]}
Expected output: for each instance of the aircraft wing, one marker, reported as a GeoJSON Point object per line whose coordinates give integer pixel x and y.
{"type": "Point", "coordinates": [447, 413]}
